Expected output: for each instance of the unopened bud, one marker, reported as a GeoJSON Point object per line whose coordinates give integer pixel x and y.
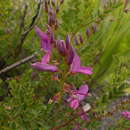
{"type": "Point", "coordinates": [88, 32]}
{"type": "Point", "coordinates": [50, 20]}
{"type": "Point", "coordinates": [50, 11]}
{"type": "Point", "coordinates": [53, 18]}
{"type": "Point", "coordinates": [67, 41]}
{"type": "Point", "coordinates": [94, 28]}
{"type": "Point", "coordinates": [57, 9]}
{"type": "Point", "coordinates": [52, 37]}
{"type": "Point", "coordinates": [81, 38]}
{"type": "Point", "coordinates": [46, 6]}
{"type": "Point", "coordinates": [76, 40]}
{"type": "Point", "coordinates": [61, 47]}
{"type": "Point", "coordinates": [56, 24]}
{"type": "Point", "coordinates": [61, 1]}
{"type": "Point", "coordinates": [53, 2]}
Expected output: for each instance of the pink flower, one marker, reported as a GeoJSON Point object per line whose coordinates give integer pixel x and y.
{"type": "Point", "coordinates": [77, 96]}
{"type": "Point", "coordinates": [126, 114]}
{"type": "Point", "coordinates": [43, 66]}
{"type": "Point", "coordinates": [77, 68]}
{"type": "Point", "coordinates": [74, 60]}
{"type": "Point", "coordinates": [74, 103]}
{"type": "Point", "coordinates": [45, 40]}
{"type": "Point", "coordinates": [83, 114]}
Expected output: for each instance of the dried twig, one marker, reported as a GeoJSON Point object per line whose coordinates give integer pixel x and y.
{"type": "Point", "coordinates": [24, 34]}
{"type": "Point", "coordinates": [18, 63]}
{"type": "Point", "coordinates": [23, 18]}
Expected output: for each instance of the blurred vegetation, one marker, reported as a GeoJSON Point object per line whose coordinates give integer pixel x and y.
{"type": "Point", "coordinates": [24, 93]}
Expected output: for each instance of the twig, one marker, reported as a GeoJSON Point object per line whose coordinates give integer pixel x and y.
{"type": "Point", "coordinates": [65, 123]}
{"type": "Point", "coordinates": [18, 63]}
{"type": "Point", "coordinates": [24, 34]}
{"type": "Point", "coordinates": [23, 18]}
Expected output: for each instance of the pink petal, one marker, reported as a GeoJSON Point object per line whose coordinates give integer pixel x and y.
{"type": "Point", "coordinates": [82, 92]}
{"type": "Point", "coordinates": [75, 66]}
{"type": "Point", "coordinates": [45, 44]}
{"type": "Point", "coordinates": [85, 70]}
{"type": "Point", "coordinates": [46, 58]}
{"type": "Point", "coordinates": [44, 67]}
{"type": "Point", "coordinates": [126, 114]}
{"type": "Point", "coordinates": [70, 99]}
{"type": "Point", "coordinates": [84, 116]}
{"type": "Point", "coordinates": [40, 33]}
{"type": "Point", "coordinates": [74, 104]}
{"type": "Point", "coordinates": [45, 41]}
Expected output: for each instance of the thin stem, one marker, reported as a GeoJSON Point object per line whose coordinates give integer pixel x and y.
{"type": "Point", "coordinates": [23, 61]}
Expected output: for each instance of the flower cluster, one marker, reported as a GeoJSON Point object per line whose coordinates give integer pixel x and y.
{"type": "Point", "coordinates": [66, 50]}
{"type": "Point", "coordinates": [126, 114]}
{"type": "Point", "coordinates": [77, 96]}
{"type": "Point", "coordinates": [52, 7]}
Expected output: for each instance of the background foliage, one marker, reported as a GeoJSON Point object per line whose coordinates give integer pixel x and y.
{"type": "Point", "coordinates": [24, 93]}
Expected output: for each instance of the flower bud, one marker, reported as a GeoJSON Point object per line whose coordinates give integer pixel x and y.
{"type": "Point", "coordinates": [46, 6]}
{"type": "Point", "coordinates": [57, 9]}
{"type": "Point", "coordinates": [67, 41]}
{"type": "Point", "coordinates": [61, 47]}
{"type": "Point", "coordinates": [50, 20]}
{"type": "Point", "coordinates": [56, 24]}
{"type": "Point", "coordinates": [61, 1]}
{"type": "Point", "coordinates": [52, 37]}
{"type": "Point", "coordinates": [88, 32]}
{"type": "Point", "coordinates": [50, 11]}
{"type": "Point", "coordinates": [76, 40]}
{"type": "Point", "coordinates": [94, 28]}
{"type": "Point", "coordinates": [53, 18]}
{"type": "Point", "coordinates": [81, 38]}
{"type": "Point", "coordinates": [53, 2]}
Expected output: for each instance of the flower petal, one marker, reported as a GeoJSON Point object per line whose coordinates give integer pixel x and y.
{"type": "Point", "coordinates": [85, 70]}
{"type": "Point", "coordinates": [39, 32]}
{"type": "Point", "coordinates": [45, 41]}
{"type": "Point", "coordinates": [44, 67]}
{"type": "Point", "coordinates": [126, 114]}
{"type": "Point", "coordinates": [46, 58]}
{"type": "Point", "coordinates": [75, 66]}
{"type": "Point", "coordinates": [74, 104]}
{"type": "Point", "coordinates": [84, 116]}
{"type": "Point", "coordinates": [82, 92]}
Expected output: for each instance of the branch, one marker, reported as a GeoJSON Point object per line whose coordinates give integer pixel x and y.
{"type": "Point", "coordinates": [24, 34]}
{"type": "Point", "coordinates": [65, 123]}
{"type": "Point", "coordinates": [18, 63]}
{"type": "Point", "coordinates": [23, 18]}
